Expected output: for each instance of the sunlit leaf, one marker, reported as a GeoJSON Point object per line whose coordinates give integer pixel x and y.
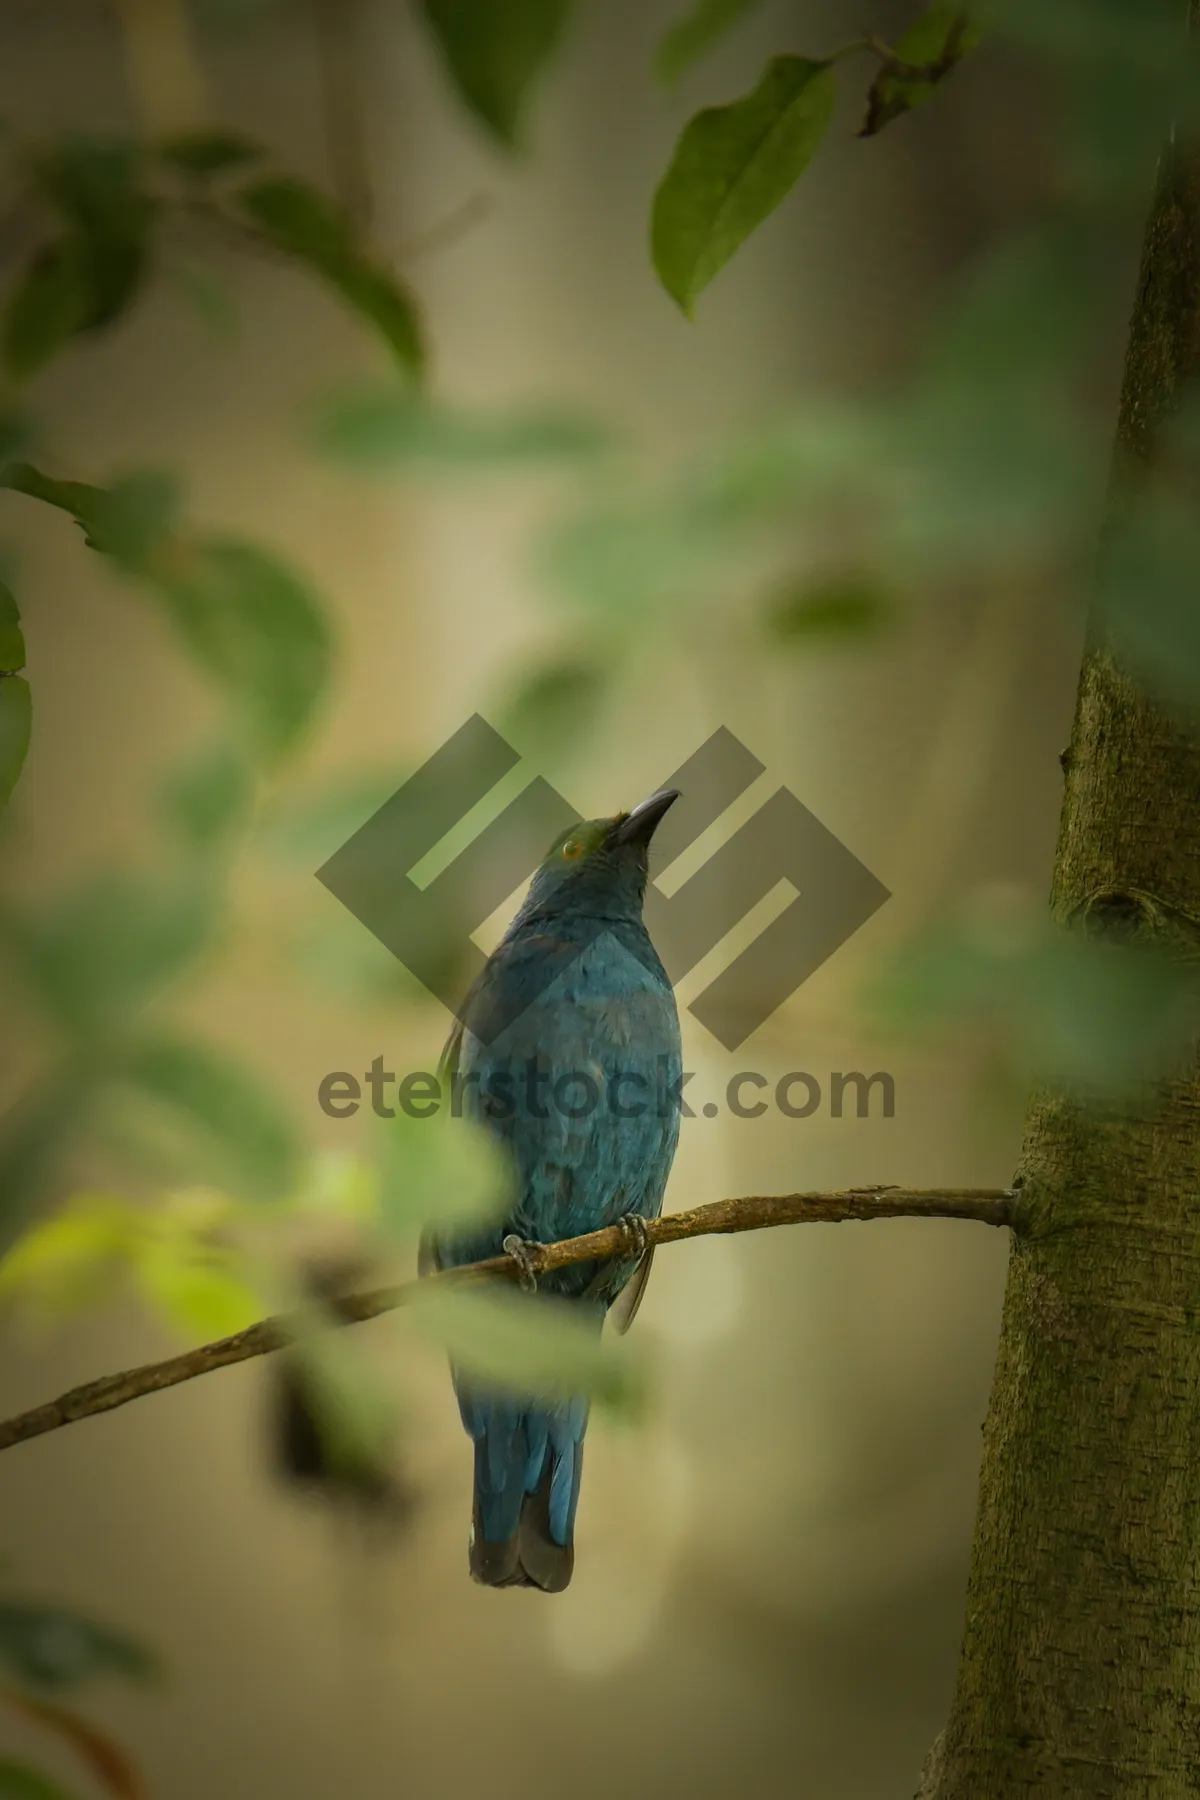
{"type": "Point", "coordinates": [933, 45]}
{"type": "Point", "coordinates": [203, 1296]}
{"type": "Point", "coordinates": [390, 428]}
{"type": "Point", "coordinates": [301, 221]}
{"type": "Point", "coordinates": [229, 1117]}
{"type": "Point", "coordinates": [692, 36]}
{"type": "Point", "coordinates": [96, 955]}
{"type": "Point", "coordinates": [732, 167]}
{"type": "Point", "coordinates": [53, 1647]}
{"type": "Point", "coordinates": [494, 53]}
{"type": "Point", "coordinates": [529, 1344]}
{"type": "Point", "coordinates": [205, 153]}
{"type": "Point", "coordinates": [74, 1258]}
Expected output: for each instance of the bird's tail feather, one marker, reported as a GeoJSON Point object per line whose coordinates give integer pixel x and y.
{"type": "Point", "coordinates": [528, 1463]}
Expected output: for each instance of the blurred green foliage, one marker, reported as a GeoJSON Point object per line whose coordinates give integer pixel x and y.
{"type": "Point", "coordinates": [984, 467]}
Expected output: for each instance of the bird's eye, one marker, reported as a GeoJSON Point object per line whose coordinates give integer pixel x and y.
{"type": "Point", "coordinates": [572, 848]}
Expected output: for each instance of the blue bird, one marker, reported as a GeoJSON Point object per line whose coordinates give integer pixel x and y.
{"type": "Point", "coordinates": [568, 1051]}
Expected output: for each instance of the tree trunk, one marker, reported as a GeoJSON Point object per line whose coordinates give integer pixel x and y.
{"type": "Point", "coordinates": [1080, 1669]}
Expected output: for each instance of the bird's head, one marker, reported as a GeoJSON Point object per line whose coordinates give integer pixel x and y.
{"type": "Point", "coordinates": [600, 865]}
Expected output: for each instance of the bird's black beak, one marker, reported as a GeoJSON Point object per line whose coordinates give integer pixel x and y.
{"type": "Point", "coordinates": [645, 819]}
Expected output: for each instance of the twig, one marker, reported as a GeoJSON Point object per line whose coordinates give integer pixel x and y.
{"type": "Point", "coordinates": [988, 1206]}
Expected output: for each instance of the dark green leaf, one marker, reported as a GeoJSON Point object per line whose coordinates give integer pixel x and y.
{"type": "Point", "coordinates": [15, 434]}
{"type": "Point", "coordinates": [128, 521]}
{"type": "Point", "coordinates": [50, 1647]}
{"type": "Point", "coordinates": [205, 153]}
{"type": "Point", "coordinates": [931, 47]}
{"type": "Point", "coordinates": [47, 307]}
{"type": "Point", "coordinates": [732, 167]}
{"type": "Point", "coordinates": [87, 277]}
{"type": "Point", "coordinates": [527, 1343]}
{"type": "Point", "coordinates": [494, 52]}
{"type": "Point", "coordinates": [694, 35]}
{"type": "Point", "coordinates": [12, 641]}
{"type": "Point", "coordinates": [16, 725]}
{"type": "Point", "coordinates": [255, 626]}
{"type": "Point", "coordinates": [224, 1108]}
{"type": "Point", "coordinates": [97, 956]}
{"type": "Point", "coordinates": [302, 222]}
{"type": "Point", "coordinates": [839, 606]}
{"type": "Point", "coordinates": [18, 1782]}
{"type": "Point", "coordinates": [393, 427]}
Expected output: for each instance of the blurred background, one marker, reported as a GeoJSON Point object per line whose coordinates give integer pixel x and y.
{"type": "Point", "coordinates": [771, 1564]}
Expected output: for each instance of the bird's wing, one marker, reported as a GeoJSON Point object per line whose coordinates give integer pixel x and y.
{"type": "Point", "coordinates": [624, 1309]}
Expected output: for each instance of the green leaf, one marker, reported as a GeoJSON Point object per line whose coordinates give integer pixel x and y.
{"type": "Point", "coordinates": [300, 221]}
{"type": "Point", "coordinates": [932, 46]}
{"type": "Point", "coordinates": [95, 957]}
{"type": "Point", "coordinates": [694, 35]}
{"type": "Point", "coordinates": [439, 1169]}
{"type": "Point", "coordinates": [203, 1296]}
{"type": "Point", "coordinates": [554, 706]}
{"type": "Point", "coordinates": [255, 626]}
{"type": "Point", "coordinates": [209, 797]}
{"type": "Point", "coordinates": [19, 1782]}
{"type": "Point", "coordinates": [1054, 1005]}
{"type": "Point", "coordinates": [46, 308]}
{"type": "Point", "coordinates": [393, 427]}
{"type": "Point", "coordinates": [50, 1647]}
{"type": "Point", "coordinates": [493, 53]}
{"type": "Point", "coordinates": [248, 619]}
{"type": "Point", "coordinates": [528, 1343]}
{"type": "Point", "coordinates": [73, 1259]}
{"type": "Point", "coordinates": [131, 521]}
{"type": "Point", "coordinates": [88, 275]}
{"type": "Point", "coordinates": [839, 606]}
{"type": "Point", "coordinates": [732, 167]}
{"type": "Point", "coordinates": [16, 726]}
{"type": "Point", "coordinates": [228, 1117]}
{"type": "Point", "coordinates": [201, 154]}
{"type": "Point", "coordinates": [12, 641]}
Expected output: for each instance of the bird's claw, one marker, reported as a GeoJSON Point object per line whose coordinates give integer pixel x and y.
{"type": "Point", "coordinates": [525, 1257]}
{"type": "Point", "coordinates": [636, 1233]}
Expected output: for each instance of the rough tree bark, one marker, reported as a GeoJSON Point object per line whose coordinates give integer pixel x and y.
{"type": "Point", "coordinates": [1080, 1668]}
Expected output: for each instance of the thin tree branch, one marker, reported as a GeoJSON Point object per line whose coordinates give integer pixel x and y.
{"type": "Point", "coordinates": [988, 1206]}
